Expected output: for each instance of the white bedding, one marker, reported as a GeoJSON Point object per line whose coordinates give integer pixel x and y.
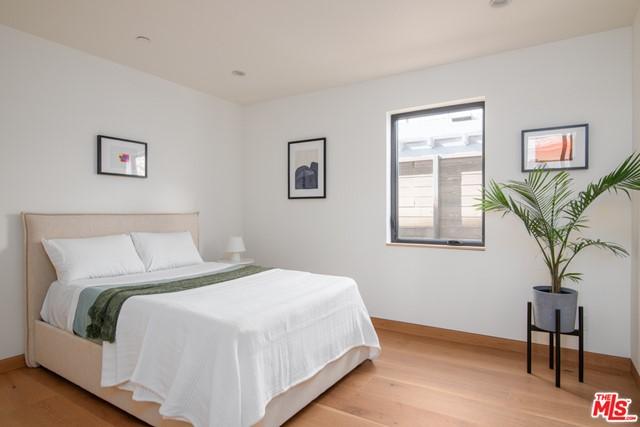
{"type": "Point", "coordinates": [216, 355]}
{"type": "Point", "coordinates": [59, 306]}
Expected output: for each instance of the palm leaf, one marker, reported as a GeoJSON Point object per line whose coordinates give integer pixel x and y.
{"type": "Point", "coordinates": [583, 243]}
{"type": "Point", "coordinates": [624, 178]}
{"type": "Point", "coordinates": [574, 277]}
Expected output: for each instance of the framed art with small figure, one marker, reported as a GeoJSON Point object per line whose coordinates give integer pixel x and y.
{"type": "Point", "coordinates": [122, 157]}
{"type": "Point", "coordinates": [307, 169]}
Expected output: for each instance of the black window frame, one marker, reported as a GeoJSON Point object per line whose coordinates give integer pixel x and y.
{"type": "Point", "coordinates": [394, 174]}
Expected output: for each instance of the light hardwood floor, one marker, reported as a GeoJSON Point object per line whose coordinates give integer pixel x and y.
{"type": "Point", "coordinates": [417, 381]}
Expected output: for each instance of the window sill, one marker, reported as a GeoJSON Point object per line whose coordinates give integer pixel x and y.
{"type": "Point", "coordinates": [431, 245]}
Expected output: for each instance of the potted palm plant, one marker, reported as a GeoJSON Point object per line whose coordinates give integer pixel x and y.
{"type": "Point", "coordinates": [555, 217]}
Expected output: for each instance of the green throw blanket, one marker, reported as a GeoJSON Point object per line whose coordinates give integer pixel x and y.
{"type": "Point", "coordinates": [105, 310]}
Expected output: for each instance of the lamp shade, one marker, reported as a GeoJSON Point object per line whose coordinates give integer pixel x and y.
{"type": "Point", "coordinates": [236, 244]}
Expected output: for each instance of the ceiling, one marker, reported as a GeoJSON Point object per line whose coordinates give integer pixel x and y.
{"type": "Point", "coordinates": [288, 47]}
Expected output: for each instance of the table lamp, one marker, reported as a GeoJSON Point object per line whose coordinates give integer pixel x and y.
{"type": "Point", "coordinates": [235, 247]}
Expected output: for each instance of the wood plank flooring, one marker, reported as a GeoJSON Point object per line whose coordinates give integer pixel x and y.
{"type": "Point", "coordinates": [417, 381]}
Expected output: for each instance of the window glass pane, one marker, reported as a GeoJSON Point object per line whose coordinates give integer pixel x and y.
{"type": "Point", "coordinates": [415, 199]}
{"type": "Point", "coordinates": [440, 167]}
{"type": "Point", "coordinates": [460, 186]}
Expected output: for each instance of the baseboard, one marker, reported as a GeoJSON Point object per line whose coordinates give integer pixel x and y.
{"type": "Point", "coordinates": [597, 361]}
{"type": "Point", "coordinates": [12, 363]}
{"type": "Point", "coordinates": [635, 375]}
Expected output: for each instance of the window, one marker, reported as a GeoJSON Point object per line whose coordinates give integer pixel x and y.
{"type": "Point", "coordinates": [437, 175]}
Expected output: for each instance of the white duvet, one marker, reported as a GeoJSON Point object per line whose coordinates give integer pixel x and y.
{"type": "Point", "coordinates": [216, 355]}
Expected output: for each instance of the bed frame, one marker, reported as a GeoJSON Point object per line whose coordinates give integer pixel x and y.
{"type": "Point", "coordinates": [79, 360]}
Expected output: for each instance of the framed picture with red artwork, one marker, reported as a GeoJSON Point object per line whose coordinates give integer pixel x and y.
{"type": "Point", "coordinates": [556, 148]}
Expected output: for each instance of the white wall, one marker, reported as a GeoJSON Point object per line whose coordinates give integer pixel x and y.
{"type": "Point", "coordinates": [586, 79]}
{"type": "Point", "coordinates": [635, 280]}
{"type": "Point", "coordinates": [53, 102]}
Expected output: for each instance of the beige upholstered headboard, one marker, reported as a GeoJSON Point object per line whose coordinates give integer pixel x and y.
{"type": "Point", "coordinates": [39, 271]}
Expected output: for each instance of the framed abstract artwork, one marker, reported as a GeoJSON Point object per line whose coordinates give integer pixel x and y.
{"type": "Point", "coordinates": [122, 157]}
{"type": "Point", "coordinates": [556, 148]}
{"type": "Point", "coordinates": [307, 169]}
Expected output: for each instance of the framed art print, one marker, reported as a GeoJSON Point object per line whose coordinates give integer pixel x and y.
{"type": "Point", "coordinates": [555, 148]}
{"type": "Point", "coordinates": [123, 157]}
{"type": "Point", "coordinates": [307, 169]}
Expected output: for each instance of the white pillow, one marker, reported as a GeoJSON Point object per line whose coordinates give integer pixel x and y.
{"type": "Point", "coordinates": [93, 257]}
{"type": "Point", "coordinates": [160, 251]}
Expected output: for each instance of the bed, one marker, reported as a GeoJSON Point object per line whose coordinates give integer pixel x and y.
{"type": "Point", "coordinates": [80, 360]}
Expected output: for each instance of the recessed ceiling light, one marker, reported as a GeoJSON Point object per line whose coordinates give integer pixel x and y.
{"type": "Point", "coordinates": [499, 3]}
{"type": "Point", "coordinates": [143, 39]}
{"type": "Point", "coordinates": [238, 73]}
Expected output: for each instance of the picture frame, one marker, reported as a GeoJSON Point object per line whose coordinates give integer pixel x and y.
{"type": "Point", "coordinates": [122, 157]}
{"type": "Point", "coordinates": [556, 148]}
{"type": "Point", "coordinates": [307, 169]}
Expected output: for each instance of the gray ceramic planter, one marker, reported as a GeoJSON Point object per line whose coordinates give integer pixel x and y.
{"type": "Point", "coordinates": [545, 304]}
